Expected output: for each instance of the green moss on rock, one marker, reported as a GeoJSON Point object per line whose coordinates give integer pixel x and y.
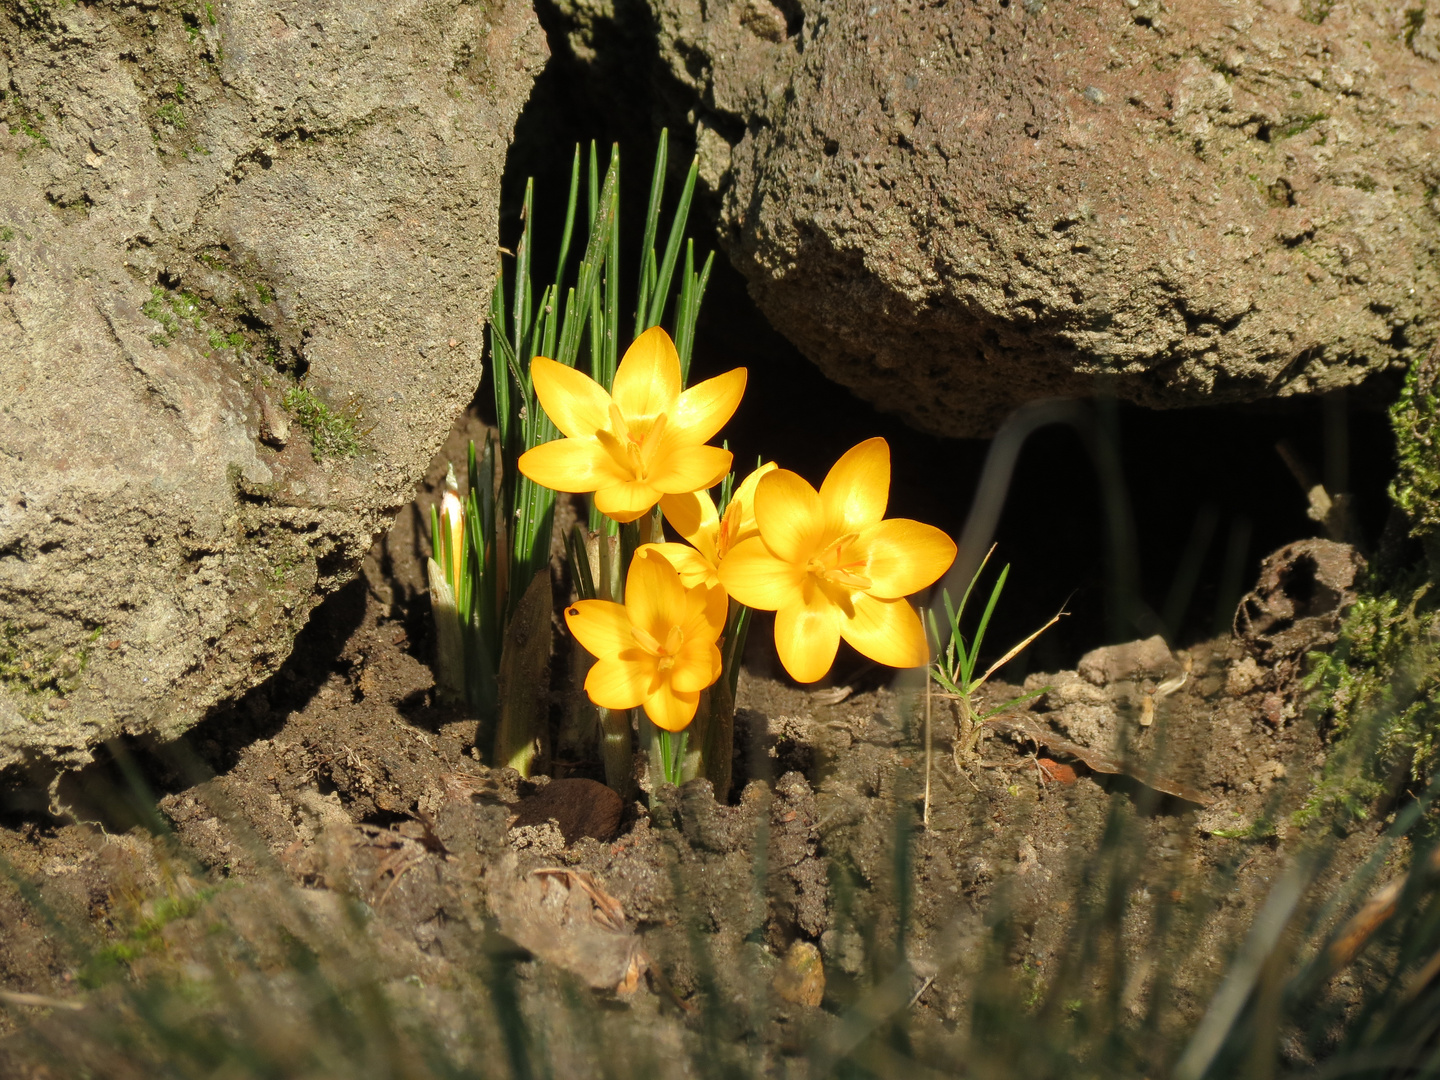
{"type": "Point", "coordinates": [1380, 686]}
{"type": "Point", "coordinates": [332, 434]}
{"type": "Point", "coordinates": [1416, 487]}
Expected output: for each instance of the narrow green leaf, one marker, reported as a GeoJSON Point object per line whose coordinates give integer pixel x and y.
{"type": "Point", "coordinates": [522, 277]}
{"type": "Point", "coordinates": [989, 610]}
{"type": "Point", "coordinates": [569, 220]}
{"type": "Point", "coordinates": [661, 293]}
{"type": "Point", "coordinates": [735, 634]}
{"type": "Point", "coordinates": [593, 187]}
{"type": "Point", "coordinates": [643, 302]}
{"type": "Point", "coordinates": [580, 575]}
{"type": "Point", "coordinates": [590, 266]}
{"type": "Point", "coordinates": [501, 357]}
{"type": "Point", "coordinates": [960, 611]}
{"type": "Point", "coordinates": [727, 487]}
{"type": "Point", "coordinates": [948, 684]}
{"type": "Point", "coordinates": [1016, 701]}
{"type": "Point", "coordinates": [694, 293]}
{"type": "Point", "coordinates": [550, 323]}
{"type": "Point", "coordinates": [684, 311]}
{"type": "Point", "coordinates": [612, 280]}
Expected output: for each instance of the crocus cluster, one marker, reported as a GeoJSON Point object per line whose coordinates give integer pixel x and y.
{"type": "Point", "coordinates": [827, 562]}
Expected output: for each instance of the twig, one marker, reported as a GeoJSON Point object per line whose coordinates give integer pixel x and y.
{"type": "Point", "coordinates": [39, 1001]}
{"type": "Point", "coordinates": [923, 987]}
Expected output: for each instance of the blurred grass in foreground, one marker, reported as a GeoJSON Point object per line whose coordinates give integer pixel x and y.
{"type": "Point", "coordinates": [266, 979]}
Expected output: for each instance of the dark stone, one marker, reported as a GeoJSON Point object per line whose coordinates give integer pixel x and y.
{"type": "Point", "coordinates": [578, 806]}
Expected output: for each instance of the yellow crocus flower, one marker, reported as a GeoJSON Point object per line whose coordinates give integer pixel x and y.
{"type": "Point", "coordinates": [830, 568]}
{"type": "Point", "coordinates": [644, 439]}
{"type": "Point", "coordinates": [710, 535]}
{"type": "Point", "coordinates": [658, 649]}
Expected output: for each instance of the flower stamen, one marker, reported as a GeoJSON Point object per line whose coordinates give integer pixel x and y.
{"type": "Point", "coordinates": [647, 640]}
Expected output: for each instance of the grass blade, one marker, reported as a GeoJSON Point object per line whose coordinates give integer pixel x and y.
{"type": "Point", "coordinates": [693, 293]}
{"type": "Point", "coordinates": [647, 246]}
{"type": "Point", "coordinates": [590, 267]}
{"type": "Point", "coordinates": [1015, 651]}
{"type": "Point", "coordinates": [661, 293]}
{"type": "Point", "coordinates": [1016, 701]}
{"type": "Point", "coordinates": [502, 358]}
{"type": "Point", "coordinates": [989, 610]}
{"type": "Point", "coordinates": [569, 219]}
{"type": "Point", "coordinates": [522, 277]}
{"type": "Point", "coordinates": [612, 276]}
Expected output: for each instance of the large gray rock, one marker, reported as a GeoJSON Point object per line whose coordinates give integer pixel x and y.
{"type": "Point", "coordinates": [203, 209]}
{"type": "Point", "coordinates": [957, 207]}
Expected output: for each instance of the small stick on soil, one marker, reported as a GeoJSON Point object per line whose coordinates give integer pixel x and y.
{"type": "Point", "coordinates": [39, 1001]}
{"type": "Point", "coordinates": [923, 987]}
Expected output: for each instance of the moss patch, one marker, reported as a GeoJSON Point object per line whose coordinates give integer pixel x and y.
{"type": "Point", "coordinates": [110, 961]}
{"type": "Point", "coordinates": [1416, 487]}
{"type": "Point", "coordinates": [38, 673]}
{"type": "Point", "coordinates": [171, 310]}
{"type": "Point", "coordinates": [1300, 126]}
{"type": "Point", "coordinates": [332, 434]}
{"type": "Point", "coordinates": [1380, 686]}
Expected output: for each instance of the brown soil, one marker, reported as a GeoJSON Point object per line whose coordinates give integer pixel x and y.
{"type": "Point", "coordinates": [341, 780]}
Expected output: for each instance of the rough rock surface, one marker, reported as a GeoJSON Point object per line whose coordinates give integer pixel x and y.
{"type": "Point", "coordinates": [245, 251]}
{"type": "Point", "coordinates": [955, 207]}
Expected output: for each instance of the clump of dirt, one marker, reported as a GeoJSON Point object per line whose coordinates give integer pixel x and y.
{"type": "Point", "coordinates": [339, 812]}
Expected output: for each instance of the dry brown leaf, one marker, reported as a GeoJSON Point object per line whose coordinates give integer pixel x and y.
{"type": "Point", "coordinates": [1096, 761]}
{"type": "Point", "coordinates": [566, 918]}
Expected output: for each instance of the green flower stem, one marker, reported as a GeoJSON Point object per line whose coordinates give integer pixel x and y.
{"type": "Point", "coordinates": [616, 750]}
{"type": "Point", "coordinates": [711, 739]}
{"type": "Point", "coordinates": [664, 752]}
{"type": "Point", "coordinates": [525, 666]}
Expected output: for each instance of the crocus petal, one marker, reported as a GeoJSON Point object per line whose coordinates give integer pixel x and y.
{"type": "Point", "coordinates": [888, 631]}
{"type": "Point", "coordinates": [694, 569]}
{"type": "Point", "coordinates": [756, 578]}
{"type": "Point", "coordinates": [688, 468]}
{"type": "Point", "coordinates": [692, 514]}
{"type": "Point", "coordinates": [654, 597]}
{"type": "Point", "coordinates": [857, 488]}
{"type": "Point", "coordinates": [577, 404]}
{"type": "Point", "coordinates": [789, 514]}
{"type": "Point", "coordinates": [901, 556]}
{"type": "Point", "coordinates": [697, 666]}
{"type": "Point", "coordinates": [647, 382]}
{"type": "Point", "coordinates": [807, 636]}
{"type": "Point", "coordinates": [622, 501]}
{"type": "Point", "coordinates": [671, 709]}
{"type": "Point", "coordinates": [575, 465]}
{"type": "Point", "coordinates": [602, 626]}
{"type": "Point", "coordinates": [620, 684]}
{"type": "Point", "coordinates": [705, 408]}
{"type": "Point", "coordinates": [705, 611]}
{"type": "Point", "coordinates": [744, 497]}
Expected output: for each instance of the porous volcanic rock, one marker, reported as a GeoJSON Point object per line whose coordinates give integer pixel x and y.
{"type": "Point", "coordinates": [955, 207]}
{"type": "Point", "coordinates": [245, 252]}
